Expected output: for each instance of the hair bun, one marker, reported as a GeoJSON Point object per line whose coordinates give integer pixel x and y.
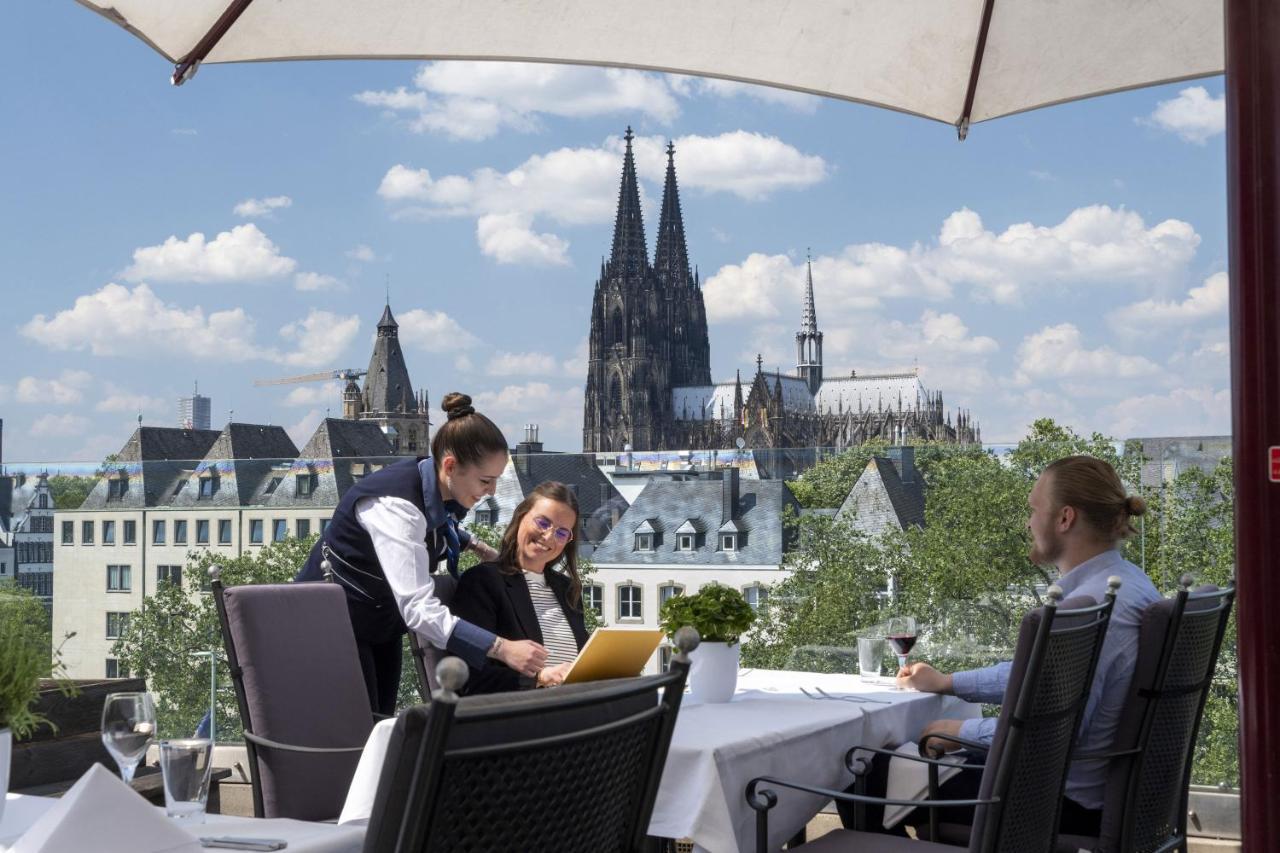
{"type": "Point", "coordinates": [1135, 505]}
{"type": "Point", "coordinates": [457, 405]}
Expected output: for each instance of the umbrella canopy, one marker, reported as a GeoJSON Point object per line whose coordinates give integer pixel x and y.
{"type": "Point", "coordinates": [956, 61]}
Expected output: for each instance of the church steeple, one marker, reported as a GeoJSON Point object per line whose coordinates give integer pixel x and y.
{"type": "Point", "coordinates": [630, 256]}
{"type": "Point", "coordinates": [670, 256]}
{"type": "Point", "coordinates": [809, 339]}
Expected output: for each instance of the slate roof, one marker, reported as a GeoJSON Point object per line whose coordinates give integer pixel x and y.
{"type": "Point", "coordinates": [153, 460]}
{"type": "Point", "coordinates": [669, 504]}
{"type": "Point", "coordinates": [336, 454]}
{"type": "Point", "coordinates": [907, 499]}
{"type": "Point", "coordinates": [598, 499]}
{"type": "Point", "coordinates": [386, 386]}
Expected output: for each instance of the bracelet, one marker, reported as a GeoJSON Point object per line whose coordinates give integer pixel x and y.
{"type": "Point", "coordinates": [496, 648]}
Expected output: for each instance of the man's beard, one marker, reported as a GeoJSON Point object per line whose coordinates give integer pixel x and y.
{"type": "Point", "coordinates": [1049, 556]}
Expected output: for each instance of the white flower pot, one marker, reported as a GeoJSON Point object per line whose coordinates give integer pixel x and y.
{"type": "Point", "coordinates": [713, 671]}
{"type": "Point", "coordinates": [6, 756]}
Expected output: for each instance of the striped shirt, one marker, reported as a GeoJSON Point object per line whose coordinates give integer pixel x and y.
{"type": "Point", "coordinates": [557, 636]}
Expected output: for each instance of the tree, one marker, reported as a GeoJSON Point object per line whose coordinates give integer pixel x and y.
{"type": "Point", "coordinates": [829, 481]}
{"type": "Point", "coordinates": [69, 492]}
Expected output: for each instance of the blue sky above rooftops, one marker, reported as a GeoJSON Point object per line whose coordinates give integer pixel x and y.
{"type": "Point", "coordinates": [1069, 262]}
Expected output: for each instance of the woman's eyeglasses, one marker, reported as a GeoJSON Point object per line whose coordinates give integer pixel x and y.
{"type": "Point", "coordinates": [562, 535]}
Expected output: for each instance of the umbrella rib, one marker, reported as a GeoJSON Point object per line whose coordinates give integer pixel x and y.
{"type": "Point", "coordinates": [962, 124]}
{"type": "Point", "coordinates": [186, 67]}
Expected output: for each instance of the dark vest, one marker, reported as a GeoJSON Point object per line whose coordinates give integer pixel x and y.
{"type": "Point", "coordinates": [349, 549]}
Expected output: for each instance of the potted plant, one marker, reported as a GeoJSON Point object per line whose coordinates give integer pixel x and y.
{"type": "Point", "coordinates": [720, 615]}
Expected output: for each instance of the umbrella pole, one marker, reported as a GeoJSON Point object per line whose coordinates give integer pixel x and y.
{"type": "Point", "coordinates": [1253, 203]}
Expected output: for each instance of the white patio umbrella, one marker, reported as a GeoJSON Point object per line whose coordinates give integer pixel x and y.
{"type": "Point", "coordinates": [956, 61]}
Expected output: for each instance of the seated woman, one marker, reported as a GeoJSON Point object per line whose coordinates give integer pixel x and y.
{"type": "Point", "coordinates": [532, 591]}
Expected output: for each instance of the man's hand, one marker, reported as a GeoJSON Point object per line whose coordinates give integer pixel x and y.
{"type": "Point", "coordinates": [941, 727]}
{"type": "Point", "coordinates": [524, 656]}
{"type": "Point", "coordinates": [486, 552]}
{"type": "Point", "coordinates": [924, 678]}
{"type": "Point", "coordinates": [550, 676]}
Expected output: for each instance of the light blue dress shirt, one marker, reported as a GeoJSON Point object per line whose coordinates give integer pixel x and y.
{"type": "Point", "coordinates": [1086, 780]}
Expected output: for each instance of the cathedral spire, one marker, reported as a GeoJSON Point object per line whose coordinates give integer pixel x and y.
{"type": "Point", "coordinates": [671, 256]}
{"type": "Point", "coordinates": [809, 321]}
{"type": "Point", "coordinates": [629, 256]}
{"type": "Point", "coordinates": [809, 339]}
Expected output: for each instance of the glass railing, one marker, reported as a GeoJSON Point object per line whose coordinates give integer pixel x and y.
{"type": "Point", "coordinates": [822, 542]}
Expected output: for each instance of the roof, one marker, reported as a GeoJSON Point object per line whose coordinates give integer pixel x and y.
{"type": "Point", "coordinates": [152, 461]}
{"type": "Point", "coordinates": [337, 452]}
{"type": "Point", "coordinates": [386, 386]}
{"type": "Point", "coordinates": [870, 392]}
{"type": "Point", "coordinates": [668, 505]}
{"type": "Point", "coordinates": [598, 499]}
{"type": "Point", "coordinates": [905, 499]}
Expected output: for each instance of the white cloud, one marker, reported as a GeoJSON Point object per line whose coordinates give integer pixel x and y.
{"type": "Point", "coordinates": [59, 426]}
{"type": "Point", "coordinates": [799, 101]}
{"type": "Point", "coordinates": [361, 253]}
{"type": "Point", "coordinates": [252, 208]}
{"type": "Point", "coordinates": [242, 254]}
{"type": "Point", "coordinates": [1151, 316]}
{"type": "Point", "coordinates": [302, 429]}
{"type": "Point", "coordinates": [1194, 115]}
{"type": "Point", "coordinates": [476, 100]}
{"type": "Point", "coordinates": [117, 399]}
{"type": "Point", "coordinates": [558, 411]}
{"type": "Point", "coordinates": [1092, 245]}
{"type": "Point", "coordinates": [508, 239]}
{"type": "Point", "coordinates": [65, 390]}
{"type": "Point", "coordinates": [1057, 352]}
{"type": "Point", "coordinates": [1196, 410]}
{"type": "Point", "coordinates": [575, 366]}
{"type": "Point", "coordinates": [309, 281]}
{"type": "Point", "coordinates": [117, 321]}
{"type": "Point", "coordinates": [749, 165]}
{"type": "Point", "coordinates": [522, 364]}
{"type": "Point", "coordinates": [315, 394]}
{"type": "Point", "coordinates": [433, 331]}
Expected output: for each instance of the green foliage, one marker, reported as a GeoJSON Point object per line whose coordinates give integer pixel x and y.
{"type": "Point", "coordinates": [69, 492]}
{"type": "Point", "coordinates": [26, 656]}
{"type": "Point", "coordinates": [828, 482]}
{"type": "Point", "coordinates": [718, 613]}
{"type": "Point", "coordinates": [176, 624]}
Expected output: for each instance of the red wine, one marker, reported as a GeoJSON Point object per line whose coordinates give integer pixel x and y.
{"type": "Point", "coordinates": [902, 643]}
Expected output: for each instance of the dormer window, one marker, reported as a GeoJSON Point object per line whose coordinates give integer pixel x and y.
{"type": "Point", "coordinates": [687, 535]}
{"type": "Point", "coordinates": [117, 487]}
{"type": "Point", "coordinates": [686, 542]}
{"type": "Point", "coordinates": [209, 486]}
{"type": "Point", "coordinates": [728, 541]}
{"type": "Point", "coordinates": [647, 535]}
{"type": "Point", "coordinates": [306, 485]}
{"type": "Point", "coordinates": [644, 541]}
{"type": "Point", "coordinates": [273, 485]}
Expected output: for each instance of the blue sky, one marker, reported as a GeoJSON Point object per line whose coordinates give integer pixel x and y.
{"type": "Point", "coordinates": [1069, 262]}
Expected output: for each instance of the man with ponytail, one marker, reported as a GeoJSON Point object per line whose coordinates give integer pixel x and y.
{"type": "Point", "coordinates": [1079, 517]}
{"type": "Point", "coordinates": [389, 532]}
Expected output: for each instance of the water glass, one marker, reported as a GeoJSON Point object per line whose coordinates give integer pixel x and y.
{"type": "Point", "coordinates": [871, 658]}
{"type": "Point", "coordinates": [186, 766]}
{"type": "Point", "coordinates": [128, 724]}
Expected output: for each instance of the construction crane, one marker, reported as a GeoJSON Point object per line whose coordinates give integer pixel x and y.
{"type": "Point", "coordinates": [348, 374]}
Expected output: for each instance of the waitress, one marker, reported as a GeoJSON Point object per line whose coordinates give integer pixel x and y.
{"type": "Point", "coordinates": [389, 532]}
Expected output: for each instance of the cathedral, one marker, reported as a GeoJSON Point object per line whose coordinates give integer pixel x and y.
{"type": "Point", "coordinates": [649, 374]}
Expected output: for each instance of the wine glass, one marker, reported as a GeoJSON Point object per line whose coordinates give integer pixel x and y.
{"type": "Point", "coordinates": [900, 631]}
{"type": "Point", "coordinates": [128, 724]}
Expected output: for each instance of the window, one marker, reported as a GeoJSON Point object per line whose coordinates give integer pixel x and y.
{"type": "Point", "coordinates": [114, 670]}
{"type": "Point", "coordinates": [757, 596]}
{"type": "Point", "coordinates": [119, 579]}
{"type": "Point", "coordinates": [273, 484]}
{"type": "Point", "coordinates": [179, 532]}
{"type": "Point", "coordinates": [117, 488]}
{"type": "Point", "coordinates": [86, 533]}
{"type": "Point", "coordinates": [224, 531]}
{"type": "Point", "coordinates": [169, 574]}
{"type": "Point", "coordinates": [108, 533]}
{"type": "Point", "coordinates": [667, 591]}
{"type": "Point", "coordinates": [44, 501]}
{"type": "Point", "coordinates": [209, 486]}
{"type": "Point", "coordinates": [306, 484]}
{"type": "Point", "coordinates": [279, 529]}
{"type": "Point", "coordinates": [68, 533]}
{"type": "Point", "coordinates": [157, 533]}
{"type": "Point", "coordinates": [686, 542]}
{"type": "Point", "coordinates": [728, 541]}
{"type": "Point", "coordinates": [486, 517]}
{"type": "Point", "coordinates": [629, 602]}
{"type": "Point", "coordinates": [644, 541]}
{"type": "Point", "coordinates": [202, 531]}
{"type": "Point", "coordinates": [130, 533]}
{"type": "Point", "coordinates": [303, 528]}
{"type": "Point", "coordinates": [255, 531]}
{"type": "Point", "coordinates": [117, 624]}
{"type": "Point", "coordinates": [593, 598]}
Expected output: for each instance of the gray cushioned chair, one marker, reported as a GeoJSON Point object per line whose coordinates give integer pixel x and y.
{"type": "Point", "coordinates": [1026, 769]}
{"type": "Point", "coordinates": [1145, 805]}
{"type": "Point", "coordinates": [574, 769]}
{"type": "Point", "coordinates": [427, 657]}
{"type": "Point", "coordinates": [302, 699]}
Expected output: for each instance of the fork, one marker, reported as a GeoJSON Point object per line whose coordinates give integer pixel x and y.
{"type": "Point", "coordinates": [851, 698]}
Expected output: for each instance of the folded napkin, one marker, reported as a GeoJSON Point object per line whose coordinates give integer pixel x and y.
{"type": "Point", "coordinates": [909, 780]}
{"type": "Point", "coordinates": [103, 814]}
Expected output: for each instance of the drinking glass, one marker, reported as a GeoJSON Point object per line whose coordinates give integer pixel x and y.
{"type": "Point", "coordinates": [870, 658]}
{"type": "Point", "coordinates": [900, 631]}
{"type": "Point", "coordinates": [128, 724]}
{"type": "Point", "coordinates": [186, 765]}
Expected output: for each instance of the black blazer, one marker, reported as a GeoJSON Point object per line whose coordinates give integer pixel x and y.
{"type": "Point", "coordinates": [498, 602]}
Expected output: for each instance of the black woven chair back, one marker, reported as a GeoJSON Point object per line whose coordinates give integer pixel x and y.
{"type": "Point", "coordinates": [1180, 639]}
{"type": "Point", "coordinates": [1049, 683]}
{"type": "Point", "coordinates": [427, 657]}
{"type": "Point", "coordinates": [570, 769]}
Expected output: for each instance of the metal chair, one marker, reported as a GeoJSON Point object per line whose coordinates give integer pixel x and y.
{"type": "Point", "coordinates": [1145, 805]}
{"type": "Point", "coordinates": [302, 699]}
{"type": "Point", "coordinates": [571, 769]}
{"type": "Point", "coordinates": [1022, 781]}
{"type": "Point", "coordinates": [426, 658]}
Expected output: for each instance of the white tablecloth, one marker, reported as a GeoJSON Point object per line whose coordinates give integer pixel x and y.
{"type": "Point", "coordinates": [770, 728]}
{"type": "Point", "coordinates": [303, 837]}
